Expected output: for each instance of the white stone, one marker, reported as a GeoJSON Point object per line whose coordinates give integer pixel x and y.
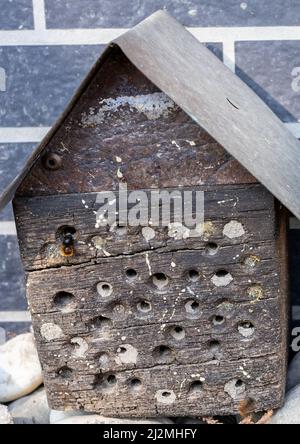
{"type": "Point", "coordinates": [20, 369]}
{"type": "Point", "coordinates": [97, 419]}
{"type": "Point", "coordinates": [293, 376]}
{"type": "Point", "coordinates": [5, 417]}
{"type": "Point", "coordinates": [32, 409]}
{"type": "Point", "coordinates": [290, 412]}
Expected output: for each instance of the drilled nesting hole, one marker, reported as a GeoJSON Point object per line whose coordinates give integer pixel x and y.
{"type": "Point", "coordinates": [64, 300]}
{"type": "Point", "coordinates": [135, 384]}
{"type": "Point", "coordinates": [65, 372]}
{"type": "Point", "coordinates": [193, 275]}
{"type": "Point", "coordinates": [105, 382]}
{"type": "Point", "coordinates": [192, 307]}
{"type": "Point", "coordinates": [64, 231]}
{"type": "Point", "coordinates": [163, 354]}
{"type": "Point", "coordinates": [160, 280]}
{"type": "Point", "coordinates": [104, 289]}
{"type": "Point", "coordinates": [144, 306]}
{"type": "Point", "coordinates": [131, 274]}
{"type": "Point", "coordinates": [195, 387]}
{"type": "Point", "coordinates": [211, 248]}
{"type": "Point", "coordinates": [214, 346]}
{"type": "Point", "coordinates": [101, 322]}
{"type": "Point", "coordinates": [246, 329]}
{"type": "Point", "coordinates": [218, 320]}
{"type": "Point", "coordinates": [177, 332]}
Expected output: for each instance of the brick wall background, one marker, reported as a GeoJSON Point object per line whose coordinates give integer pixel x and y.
{"type": "Point", "coordinates": [47, 46]}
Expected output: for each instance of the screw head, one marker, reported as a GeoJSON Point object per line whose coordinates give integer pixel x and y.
{"type": "Point", "coordinates": [52, 161]}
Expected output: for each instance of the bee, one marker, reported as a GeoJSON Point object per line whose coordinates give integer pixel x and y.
{"type": "Point", "coordinates": [67, 248]}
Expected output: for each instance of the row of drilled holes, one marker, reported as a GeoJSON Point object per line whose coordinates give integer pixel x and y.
{"type": "Point", "coordinates": [108, 382]}
{"type": "Point", "coordinates": [192, 307]}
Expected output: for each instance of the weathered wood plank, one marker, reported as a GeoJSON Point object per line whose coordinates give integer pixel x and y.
{"type": "Point", "coordinates": [252, 206]}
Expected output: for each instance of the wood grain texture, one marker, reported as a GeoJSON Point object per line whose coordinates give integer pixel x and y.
{"type": "Point", "coordinates": [168, 151]}
{"type": "Point", "coordinates": [190, 347]}
{"type": "Point", "coordinates": [39, 220]}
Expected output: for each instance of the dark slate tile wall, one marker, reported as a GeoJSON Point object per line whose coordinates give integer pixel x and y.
{"type": "Point", "coordinates": [41, 80]}
{"type": "Point", "coordinates": [126, 13]}
{"type": "Point", "coordinates": [12, 158]}
{"type": "Point", "coordinates": [272, 70]}
{"type": "Point", "coordinates": [12, 293]}
{"type": "Point", "coordinates": [16, 14]}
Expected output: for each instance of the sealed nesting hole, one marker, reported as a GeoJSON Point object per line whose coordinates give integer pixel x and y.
{"type": "Point", "coordinates": [163, 354]}
{"type": "Point", "coordinates": [119, 311]}
{"type": "Point", "coordinates": [144, 306]}
{"type": "Point", "coordinates": [100, 322]}
{"type": "Point", "coordinates": [246, 329]}
{"type": "Point", "coordinates": [211, 248]}
{"type": "Point", "coordinates": [192, 307]}
{"type": "Point", "coordinates": [135, 384]}
{"type": "Point", "coordinates": [195, 387]}
{"type": "Point", "coordinates": [103, 359]}
{"type": "Point", "coordinates": [65, 372]}
{"type": "Point", "coordinates": [193, 275]}
{"type": "Point", "coordinates": [221, 278]}
{"type": "Point", "coordinates": [104, 289]}
{"type": "Point", "coordinates": [177, 332]}
{"type": "Point", "coordinates": [105, 382]}
{"type": "Point", "coordinates": [131, 274]}
{"type": "Point", "coordinates": [218, 320]}
{"type": "Point", "coordinates": [64, 299]}
{"type": "Point", "coordinates": [160, 280]}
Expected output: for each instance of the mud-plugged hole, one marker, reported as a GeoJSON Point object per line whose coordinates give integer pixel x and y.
{"type": "Point", "coordinates": [160, 280]}
{"type": "Point", "coordinates": [195, 387]}
{"type": "Point", "coordinates": [103, 359]}
{"type": "Point", "coordinates": [104, 289]}
{"type": "Point", "coordinates": [144, 306]}
{"type": "Point", "coordinates": [246, 329]}
{"type": "Point", "coordinates": [163, 354]}
{"type": "Point", "coordinates": [63, 300]}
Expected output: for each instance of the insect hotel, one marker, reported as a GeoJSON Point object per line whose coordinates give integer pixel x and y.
{"type": "Point", "coordinates": [148, 321]}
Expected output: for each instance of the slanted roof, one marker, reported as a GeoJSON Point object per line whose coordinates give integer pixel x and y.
{"type": "Point", "coordinates": [212, 96]}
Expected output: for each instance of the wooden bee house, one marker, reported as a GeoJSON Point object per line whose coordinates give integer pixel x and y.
{"type": "Point", "coordinates": [141, 321]}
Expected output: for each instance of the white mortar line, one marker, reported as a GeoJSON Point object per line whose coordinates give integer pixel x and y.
{"type": "Point", "coordinates": [101, 36]}
{"type": "Point", "coordinates": [22, 134]}
{"type": "Point", "coordinates": [255, 33]}
{"type": "Point", "coordinates": [39, 15]}
{"type": "Point", "coordinates": [229, 54]}
{"type": "Point", "coordinates": [15, 316]}
{"type": "Point", "coordinates": [36, 133]}
{"type": "Point", "coordinates": [8, 228]}
{"type": "Point", "coordinates": [294, 129]}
